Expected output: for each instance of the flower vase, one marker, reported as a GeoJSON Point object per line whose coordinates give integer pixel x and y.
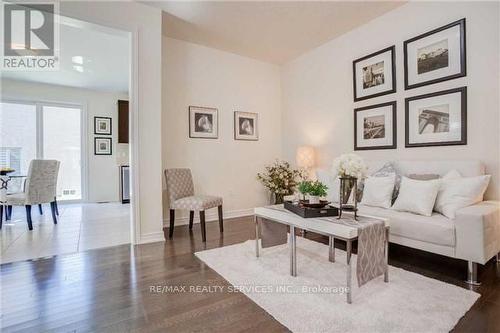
{"type": "Point", "coordinates": [348, 190]}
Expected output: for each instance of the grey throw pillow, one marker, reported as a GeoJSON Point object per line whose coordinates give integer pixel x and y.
{"type": "Point", "coordinates": [425, 176]}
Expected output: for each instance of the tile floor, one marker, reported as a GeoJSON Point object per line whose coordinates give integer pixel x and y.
{"type": "Point", "coordinates": [80, 227]}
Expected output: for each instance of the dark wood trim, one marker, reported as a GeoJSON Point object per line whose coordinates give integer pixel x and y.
{"type": "Point", "coordinates": [394, 126]}
{"type": "Point", "coordinates": [110, 146]}
{"type": "Point", "coordinates": [123, 121]}
{"type": "Point", "coordinates": [110, 125]}
{"type": "Point", "coordinates": [463, 54]}
{"type": "Point", "coordinates": [256, 126]}
{"type": "Point", "coordinates": [463, 141]}
{"type": "Point", "coordinates": [392, 49]}
{"type": "Point", "coordinates": [189, 120]}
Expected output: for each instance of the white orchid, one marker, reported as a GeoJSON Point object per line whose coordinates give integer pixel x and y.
{"type": "Point", "coordinates": [349, 165]}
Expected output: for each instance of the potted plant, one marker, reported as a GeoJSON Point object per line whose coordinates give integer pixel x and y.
{"type": "Point", "coordinates": [303, 188]}
{"type": "Point", "coordinates": [316, 190]}
{"type": "Point", "coordinates": [280, 179]}
{"type": "Point", "coordinates": [349, 168]}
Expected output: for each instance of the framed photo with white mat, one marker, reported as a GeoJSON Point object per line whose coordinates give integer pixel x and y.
{"type": "Point", "coordinates": [436, 119]}
{"type": "Point", "coordinates": [375, 127]}
{"type": "Point", "coordinates": [246, 125]}
{"type": "Point", "coordinates": [203, 122]}
{"type": "Point", "coordinates": [435, 56]}
{"type": "Point", "coordinates": [375, 74]}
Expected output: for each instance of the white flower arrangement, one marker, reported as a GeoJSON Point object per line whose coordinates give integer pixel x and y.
{"type": "Point", "coordinates": [349, 165]}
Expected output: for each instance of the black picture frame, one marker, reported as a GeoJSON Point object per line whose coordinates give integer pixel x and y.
{"type": "Point", "coordinates": [394, 144]}
{"type": "Point", "coordinates": [463, 113]}
{"type": "Point", "coordinates": [391, 49]}
{"type": "Point", "coordinates": [110, 125]}
{"type": "Point", "coordinates": [110, 142]}
{"type": "Point", "coordinates": [192, 133]}
{"type": "Point", "coordinates": [463, 55]}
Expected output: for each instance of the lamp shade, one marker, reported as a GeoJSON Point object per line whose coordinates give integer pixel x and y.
{"type": "Point", "coordinates": [305, 157]}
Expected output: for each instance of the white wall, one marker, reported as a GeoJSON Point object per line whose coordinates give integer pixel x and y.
{"type": "Point", "coordinates": [102, 171]}
{"type": "Point", "coordinates": [144, 22]}
{"type": "Point", "coordinates": [318, 98]}
{"type": "Point", "coordinates": [201, 76]}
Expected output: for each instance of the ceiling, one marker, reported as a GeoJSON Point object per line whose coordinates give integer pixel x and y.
{"type": "Point", "coordinates": [275, 32]}
{"type": "Point", "coordinates": [91, 57]}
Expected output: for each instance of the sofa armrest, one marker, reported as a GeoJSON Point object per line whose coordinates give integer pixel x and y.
{"type": "Point", "coordinates": [477, 230]}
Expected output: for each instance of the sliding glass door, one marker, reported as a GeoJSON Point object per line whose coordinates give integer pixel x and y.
{"type": "Point", "coordinates": [46, 131]}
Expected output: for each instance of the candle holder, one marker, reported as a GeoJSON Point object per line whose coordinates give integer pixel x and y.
{"type": "Point", "coordinates": [347, 184]}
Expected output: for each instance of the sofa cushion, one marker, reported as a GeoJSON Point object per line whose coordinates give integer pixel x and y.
{"type": "Point", "coordinates": [436, 229]}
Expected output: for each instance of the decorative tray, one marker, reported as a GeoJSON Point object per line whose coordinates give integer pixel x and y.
{"type": "Point", "coordinates": [304, 210]}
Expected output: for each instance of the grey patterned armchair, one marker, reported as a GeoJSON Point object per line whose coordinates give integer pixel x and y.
{"type": "Point", "coordinates": [180, 191]}
{"type": "Point", "coordinates": [40, 188]}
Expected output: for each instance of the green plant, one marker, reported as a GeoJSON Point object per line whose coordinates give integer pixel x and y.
{"type": "Point", "coordinates": [317, 188]}
{"type": "Point", "coordinates": [304, 187]}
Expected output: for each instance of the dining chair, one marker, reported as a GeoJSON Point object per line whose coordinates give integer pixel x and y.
{"type": "Point", "coordinates": [40, 188]}
{"type": "Point", "coordinates": [180, 190]}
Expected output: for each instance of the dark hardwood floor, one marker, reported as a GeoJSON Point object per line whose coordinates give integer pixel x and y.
{"type": "Point", "coordinates": [110, 289]}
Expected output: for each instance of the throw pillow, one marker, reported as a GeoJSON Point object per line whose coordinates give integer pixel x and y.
{"type": "Point", "coordinates": [333, 184]}
{"type": "Point", "coordinates": [425, 176]}
{"type": "Point", "coordinates": [386, 170]}
{"type": "Point", "coordinates": [417, 196]}
{"type": "Point", "coordinates": [378, 191]}
{"type": "Point", "coordinates": [456, 193]}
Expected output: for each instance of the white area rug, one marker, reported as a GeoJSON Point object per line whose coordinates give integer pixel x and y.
{"type": "Point", "coordinates": [408, 303]}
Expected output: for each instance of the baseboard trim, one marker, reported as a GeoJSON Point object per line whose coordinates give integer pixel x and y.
{"type": "Point", "coordinates": [211, 216]}
{"type": "Point", "coordinates": [152, 237]}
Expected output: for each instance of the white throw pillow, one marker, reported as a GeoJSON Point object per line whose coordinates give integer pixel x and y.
{"type": "Point", "coordinates": [456, 193]}
{"type": "Point", "coordinates": [417, 196]}
{"type": "Point", "coordinates": [333, 184]}
{"type": "Point", "coordinates": [378, 191]}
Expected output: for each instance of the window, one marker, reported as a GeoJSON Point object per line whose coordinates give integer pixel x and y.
{"type": "Point", "coordinates": [47, 131]}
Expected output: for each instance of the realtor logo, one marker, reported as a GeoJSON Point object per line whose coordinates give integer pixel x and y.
{"type": "Point", "coordinates": [30, 37]}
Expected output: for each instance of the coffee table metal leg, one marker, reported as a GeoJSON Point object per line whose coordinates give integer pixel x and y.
{"type": "Point", "coordinates": [331, 246]}
{"type": "Point", "coordinates": [349, 272]}
{"type": "Point", "coordinates": [386, 274]}
{"type": "Point", "coordinates": [257, 232]}
{"type": "Point", "coordinates": [293, 252]}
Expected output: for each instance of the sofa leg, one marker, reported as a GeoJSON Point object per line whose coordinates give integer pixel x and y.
{"type": "Point", "coordinates": [203, 228]}
{"type": "Point", "coordinates": [472, 274]}
{"type": "Point", "coordinates": [221, 219]}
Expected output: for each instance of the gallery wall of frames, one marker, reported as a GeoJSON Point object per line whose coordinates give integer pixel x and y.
{"type": "Point", "coordinates": [204, 124]}
{"type": "Point", "coordinates": [433, 119]}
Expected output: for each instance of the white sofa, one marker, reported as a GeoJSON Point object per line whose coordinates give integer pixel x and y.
{"type": "Point", "coordinates": [474, 235]}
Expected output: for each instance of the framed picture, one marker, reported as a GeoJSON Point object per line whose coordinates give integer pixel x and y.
{"type": "Point", "coordinates": [102, 125]}
{"type": "Point", "coordinates": [102, 146]}
{"type": "Point", "coordinates": [246, 126]}
{"type": "Point", "coordinates": [437, 119]}
{"type": "Point", "coordinates": [435, 56]}
{"type": "Point", "coordinates": [375, 127]}
{"type": "Point", "coordinates": [375, 74]}
{"type": "Point", "coordinates": [203, 122]}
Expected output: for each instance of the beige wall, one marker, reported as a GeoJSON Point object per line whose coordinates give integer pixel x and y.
{"type": "Point", "coordinates": [145, 23]}
{"type": "Point", "coordinates": [102, 171]}
{"type": "Point", "coordinates": [318, 98]}
{"type": "Point", "coordinates": [197, 75]}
